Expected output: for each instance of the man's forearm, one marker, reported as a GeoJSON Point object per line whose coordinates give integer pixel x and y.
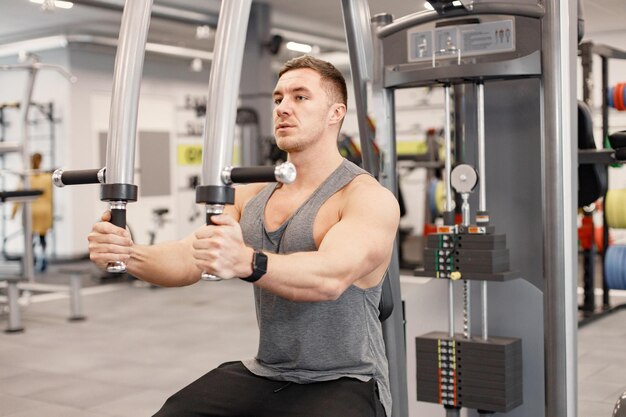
{"type": "Point", "coordinates": [167, 264]}
{"type": "Point", "coordinates": [313, 276]}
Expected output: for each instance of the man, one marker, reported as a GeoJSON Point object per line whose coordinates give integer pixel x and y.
{"type": "Point", "coordinates": [316, 251]}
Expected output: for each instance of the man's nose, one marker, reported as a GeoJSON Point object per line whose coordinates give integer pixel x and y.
{"type": "Point", "coordinates": [284, 107]}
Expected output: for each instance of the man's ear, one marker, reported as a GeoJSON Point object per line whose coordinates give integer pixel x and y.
{"type": "Point", "coordinates": [338, 112]}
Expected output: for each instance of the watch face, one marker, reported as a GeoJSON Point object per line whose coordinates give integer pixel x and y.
{"type": "Point", "coordinates": [260, 262]}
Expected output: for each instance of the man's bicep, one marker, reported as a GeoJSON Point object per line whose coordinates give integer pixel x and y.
{"type": "Point", "coordinates": [365, 232]}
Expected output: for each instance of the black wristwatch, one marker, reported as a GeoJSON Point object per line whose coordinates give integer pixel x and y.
{"type": "Point", "coordinates": [259, 266]}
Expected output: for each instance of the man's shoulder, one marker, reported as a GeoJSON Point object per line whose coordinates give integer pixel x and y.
{"type": "Point", "coordinates": [366, 189]}
{"type": "Point", "coordinates": [365, 183]}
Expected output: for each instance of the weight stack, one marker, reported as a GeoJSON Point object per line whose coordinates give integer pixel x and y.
{"type": "Point", "coordinates": [475, 256]}
{"type": "Point", "coordinates": [470, 373]}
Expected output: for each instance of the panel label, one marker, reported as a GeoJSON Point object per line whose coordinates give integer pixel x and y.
{"type": "Point", "coordinates": [464, 40]}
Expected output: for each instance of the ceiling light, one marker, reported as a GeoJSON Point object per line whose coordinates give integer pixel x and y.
{"type": "Point", "coordinates": [203, 32]}
{"type": "Point", "coordinates": [33, 45]}
{"type": "Point", "coordinates": [299, 47]}
{"type": "Point", "coordinates": [196, 65]}
{"type": "Point", "coordinates": [427, 6]}
{"type": "Point", "coordinates": [457, 3]}
{"type": "Point", "coordinates": [57, 3]}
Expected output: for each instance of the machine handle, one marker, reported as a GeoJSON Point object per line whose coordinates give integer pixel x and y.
{"type": "Point", "coordinates": [62, 178]}
{"type": "Point", "coordinates": [284, 173]}
{"type": "Point", "coordinates": [118, 218]}
{"type": "Point", "coordinates": [212, 210]}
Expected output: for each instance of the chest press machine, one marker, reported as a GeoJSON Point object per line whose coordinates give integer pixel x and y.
{"type": "Point", "coordinates": [116, 179]}
{"type": "Point", "coordinates": [510, 68]}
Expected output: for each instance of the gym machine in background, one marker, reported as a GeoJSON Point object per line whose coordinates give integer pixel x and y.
{"type": "Point", "coordinates": [216, 190]}
{"type": "Point", "coordinates": [25, 280]}
{"type": "Point", "coordinates": [510, 68]}
{"type": "Point", "coordinates": [32, 66]}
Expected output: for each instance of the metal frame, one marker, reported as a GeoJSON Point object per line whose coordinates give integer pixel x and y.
{"type": "Point", "coordinates": [559, 195]}
{"type": "Point", "coordinates": [223, 91]}
{"type": "Point", "coordinates": [559, 182]}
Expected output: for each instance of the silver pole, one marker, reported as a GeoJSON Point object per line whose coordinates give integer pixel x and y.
{"type": "Point", "coordinates": [28, 270]}
{"type": "Point", "coordinates": [482, 189]}
{"type": "Point", "coordinates": [15, 315]}
{"type": "Point", "coordinates": [559, 52]}
{"type": "Point", "coordinates": [393, 328]}
{"type": "Point", "coordinates": [484, 310]}
{"type": "Point", "coordinates": [223, 93]}
{"type": "Point", "coordinates": [120, 161]}
{"type": "Point", "coordinates": [451, 308]}
{"type": "Point", "coordinates": [448, 184]}
{"type": "Point", "coordinates": [356, 16]}
{"type": "Point", "coordinates": [76, 305]}
{"type": "Point", "coordinates": [465, 209]}
{"type": "Point", "coordinates": [221, 115]}
{"type": "Point", "coordinates": [122, 135]}
{"type": "Point", "coordinates": [448, 148]}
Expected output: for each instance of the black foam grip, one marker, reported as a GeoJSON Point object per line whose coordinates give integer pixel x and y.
{"type": "Point", "coordinates": [118, 217]}
{"type": "Point", "coordinates": [209, 219]}
{"type": "Point", "coordinates": [253, 174]}
{"type": "Point", "coordinates": [81, 176]}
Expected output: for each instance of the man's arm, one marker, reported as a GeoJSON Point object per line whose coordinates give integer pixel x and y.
{"type": "Point", "coordinates": [168, 264]}
{"type": "Point", "coordinates": [357, 249]}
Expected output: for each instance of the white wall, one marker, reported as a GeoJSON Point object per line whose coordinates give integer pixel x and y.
{"type": "Point", "coordinates": [84, 110]}
{"type": "Point", "coordinates": [164, 87]}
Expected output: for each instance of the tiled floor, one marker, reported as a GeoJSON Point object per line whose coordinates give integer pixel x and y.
{"type": "Point", "coordinates": [139, 345]}
{"type": "Point", "coordinates": [601, 365]}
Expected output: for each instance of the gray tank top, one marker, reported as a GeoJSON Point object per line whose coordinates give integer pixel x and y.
{"type": "Point", "coordinates": [307, 342]}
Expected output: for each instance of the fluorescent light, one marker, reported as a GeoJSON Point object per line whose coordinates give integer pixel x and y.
{"type": "Point", "coordinates": [33, 45]}
{"type": "Point", "coordinates": [457, 3]}
{"type": "Point", "coordinates": [57, 3]}
{"type": "Point", "coordinates": [299, 47]}
{"type": "Point", "coordinates": [427, 6]}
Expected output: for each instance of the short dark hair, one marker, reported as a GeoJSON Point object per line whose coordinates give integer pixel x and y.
{"type": "Point", "coordinates": [331, 76]}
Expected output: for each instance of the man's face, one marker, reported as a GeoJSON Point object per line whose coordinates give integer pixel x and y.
{"type": "Point", "coordinates": [302, 109]}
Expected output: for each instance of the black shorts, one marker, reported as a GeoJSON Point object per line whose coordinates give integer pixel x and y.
{"type": "Point", "coordinates": [231, 390]}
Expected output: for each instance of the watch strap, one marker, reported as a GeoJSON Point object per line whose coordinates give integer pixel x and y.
{"type": "Point", "coordinates": [259, 266]}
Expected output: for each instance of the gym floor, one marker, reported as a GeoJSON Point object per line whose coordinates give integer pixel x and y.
{"type": "Point", "coordinates": [140, 344]}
